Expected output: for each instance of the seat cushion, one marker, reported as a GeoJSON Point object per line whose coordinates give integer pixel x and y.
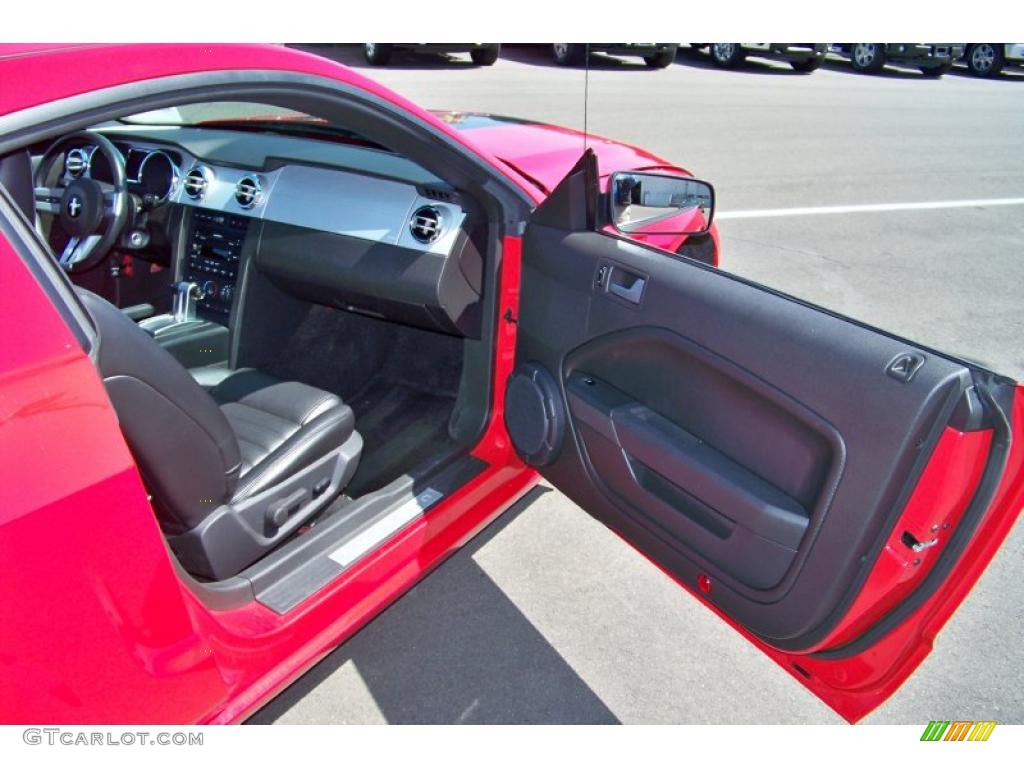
{"type": "Point", "coordinates": [281, 426]}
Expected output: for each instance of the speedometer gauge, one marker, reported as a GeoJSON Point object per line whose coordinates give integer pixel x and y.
{"type": "Point", "coordinates": [157, 175]}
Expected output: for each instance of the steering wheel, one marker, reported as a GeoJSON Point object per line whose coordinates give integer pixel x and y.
{"type": "Point", "coordinates": [92, 212]}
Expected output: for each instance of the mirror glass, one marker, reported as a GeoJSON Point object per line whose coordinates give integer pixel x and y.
{"type": "Point", "coordinates": [656, 203]}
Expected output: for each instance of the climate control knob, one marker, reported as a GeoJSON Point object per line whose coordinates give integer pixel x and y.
{"type": "Point", "coordinates": [209, 289]}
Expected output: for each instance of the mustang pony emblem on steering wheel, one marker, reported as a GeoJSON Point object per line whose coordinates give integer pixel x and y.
{"type": "Point", "coordinates": [89, 212]}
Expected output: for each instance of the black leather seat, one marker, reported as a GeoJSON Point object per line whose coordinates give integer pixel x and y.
{"type": "Point", "coordinates": [233, 471]}
{"type": "Point", "coordinates": [281, 426]}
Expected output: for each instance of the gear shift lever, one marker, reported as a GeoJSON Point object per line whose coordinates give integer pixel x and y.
{"type": "Point", "coordinates": [183, 312]}
{"type": "Point", "coordinates": [185, 296]}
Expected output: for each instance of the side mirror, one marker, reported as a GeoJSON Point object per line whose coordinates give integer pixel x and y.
{"type": "Point", "coordinates": [659, 203]}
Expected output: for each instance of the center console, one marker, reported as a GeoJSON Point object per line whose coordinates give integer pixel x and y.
{"type": "Point", "coordinates": [196, 333]}
{"type": "Point", "coordinates": [212, 256]}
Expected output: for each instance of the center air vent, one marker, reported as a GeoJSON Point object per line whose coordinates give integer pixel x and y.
{"type": "Point", "coordinates": [196, 181]}
{"type": "Point", "coordinates": [75, 162]}
{"type": "Point", "coordinates": [426, 224]}
{"type": "Point", "coordinates": [248, 191]}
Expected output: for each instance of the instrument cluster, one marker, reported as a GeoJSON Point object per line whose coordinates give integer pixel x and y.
{"type": "Point", "coordinates": [153, 173]}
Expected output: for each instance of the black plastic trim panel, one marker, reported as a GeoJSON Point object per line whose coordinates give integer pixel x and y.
{"type": "Point", "coordinates": [419, 288]}
{"type": "Point", "coordinates": [830, 366]}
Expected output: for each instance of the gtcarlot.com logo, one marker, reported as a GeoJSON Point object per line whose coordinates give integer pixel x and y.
{"type": "Point", "coordinates": [958, 730]}
{"type": "Point", "coordinates": [70, 737]}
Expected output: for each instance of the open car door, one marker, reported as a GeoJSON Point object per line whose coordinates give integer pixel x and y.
{"type": "Point", "coordinates": [829, 489]}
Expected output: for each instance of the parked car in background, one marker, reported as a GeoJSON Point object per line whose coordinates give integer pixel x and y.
{"type": "Point", "coordinates": [803, 57]}
{"type": "Point", "coordinates": [484, 54]}
{"type": "Point", "coordinates": [933, 59]}
{"type": "Point", "coordinates": [989, 59]}
{"type": "Point", "coordinates": [655, 55]}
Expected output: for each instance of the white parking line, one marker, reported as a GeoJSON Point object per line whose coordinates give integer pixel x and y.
{"type": "Point", "coordinates": [770, 213]}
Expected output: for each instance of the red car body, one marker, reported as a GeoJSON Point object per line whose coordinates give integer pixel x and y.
{"type": "Point", "coordinates": [97, 624]}
{"type": "Point", "coordinates": [544, 153]}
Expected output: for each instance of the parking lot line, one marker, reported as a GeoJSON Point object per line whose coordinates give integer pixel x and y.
{"type": "Point", "coordinates": [770, 213]}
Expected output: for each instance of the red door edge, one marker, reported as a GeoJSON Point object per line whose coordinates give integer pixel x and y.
{"type": "Point", "coordinates": [495, 446]}
{"type": "Point", "coordinates": [856, 685]}
{"type": "Point", "coordinates": [935, 507]}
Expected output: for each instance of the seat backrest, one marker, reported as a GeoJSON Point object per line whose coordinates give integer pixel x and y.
{"type": "Point", "coordinates": [186, 451]}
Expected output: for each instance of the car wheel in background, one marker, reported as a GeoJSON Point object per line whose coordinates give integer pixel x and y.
{"type": "Point", "coordinates": [699, 248]}
{"type": "Point", "coordinates": [936, 70]}
{"type": "Point", "coordinates": [985, 59]}
{"type": "Point", "coordinates": [726, 55]}
{"type": "Point", "coordinates": [568, 54]}
{"type": "Point", "coordinates": [378, 54]}
{"type": "Point", "coordinates": [808, 65]}
{"type": "Point", "coordinates": [485, 56]}
{"type": "Point", "coordinates": [868, 57]}
{"type": "Point", "coordinates": [666, 55]}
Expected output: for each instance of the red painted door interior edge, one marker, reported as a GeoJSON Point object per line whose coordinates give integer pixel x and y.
{"type": "Point", "coordinates": [856, 685]}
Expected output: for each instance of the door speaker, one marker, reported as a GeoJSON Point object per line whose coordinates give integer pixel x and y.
{"type": "Point", "coordinates": [534, 414]}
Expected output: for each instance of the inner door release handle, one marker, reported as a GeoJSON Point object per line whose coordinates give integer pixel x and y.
{"type": "Point", "coordinates": [627, 286]}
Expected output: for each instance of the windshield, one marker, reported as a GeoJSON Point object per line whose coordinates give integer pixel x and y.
{"type": "Point", "coordinates": [254, 118]}
{"type": "Point", "coordinates": [219, 112]}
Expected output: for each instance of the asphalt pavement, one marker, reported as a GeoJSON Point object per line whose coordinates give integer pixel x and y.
{"type": "Point", "coordinates": [547, 617]}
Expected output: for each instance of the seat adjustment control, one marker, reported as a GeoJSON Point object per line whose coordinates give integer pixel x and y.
{"type": "Point", "coordinates": [279, 512]}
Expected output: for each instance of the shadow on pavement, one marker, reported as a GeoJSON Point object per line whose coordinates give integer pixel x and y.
{"type": "Point", "coordinates": [891, 71]}
{"type": "Point", "coordinates": [751, 65]}
{"type": "Point", "coordinates": [1009, 74]}
{"type": "Point", "coordinates": [351, 55]}
{"type": "Point", "coordinates": [540, 56]}
{"type": "Point", "coordinates": [454, 649]}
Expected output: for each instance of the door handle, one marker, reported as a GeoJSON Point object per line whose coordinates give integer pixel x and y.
{"type": "Point", "coordinates": [627, 285]}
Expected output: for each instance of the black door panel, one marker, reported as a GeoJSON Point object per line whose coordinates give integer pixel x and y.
{"type": "Point", "coordinates": [697, 494]}
{"type": "Point", "coordinates": [729, 430]}
{"type": "Point", "coordinates": [752, 422]}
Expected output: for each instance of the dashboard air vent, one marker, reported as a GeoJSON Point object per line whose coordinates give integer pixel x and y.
{"type": "Point", "coordinates": [248, 191]}
{"type": "Point", "coordinates": [75, 162]}
{"type": "Point", "coordinates": [426, 224]}
{"type": "Point", "coordinates": [196, 181]}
